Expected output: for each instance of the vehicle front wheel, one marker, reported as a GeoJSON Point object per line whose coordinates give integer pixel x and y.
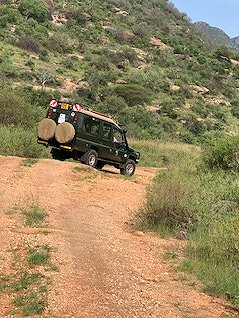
{"type": "Point", "coordinates": [128, 168]}
{"type": "Point", "coordinates": [90, 158]}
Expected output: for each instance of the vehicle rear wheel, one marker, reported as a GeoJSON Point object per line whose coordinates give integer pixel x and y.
{"type": "Point", "coordinates": [90, 158]}
{"type": "Point", "coordinates": [128, 168]}
{"type": "Point", "coordinates": [58, 154]}
{"type": "Point", "coordinates": [99, 165]}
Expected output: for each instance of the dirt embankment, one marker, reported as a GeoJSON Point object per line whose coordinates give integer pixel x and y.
{"type": "Point", "coordinates": [105, 268]}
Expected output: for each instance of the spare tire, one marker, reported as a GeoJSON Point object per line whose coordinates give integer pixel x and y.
{"type": "Point", "coordinates": [64, 133]}
{"type": "Point", "coordinates": [46, 129]}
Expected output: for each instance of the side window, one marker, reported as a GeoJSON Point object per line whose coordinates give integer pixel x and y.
{"type": "Point", "coordinates": [117, 135]}
{"type": "Point", "coordinates": [91, 125]}
{"type": "Point", "coordinates": [106, 131]}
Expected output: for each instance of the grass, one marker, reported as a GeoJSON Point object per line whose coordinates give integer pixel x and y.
{"type": "Point", "coordinates": [34, 216]}
{"type": "Point", "coordinates": [17, 141]}
{"type": "Point", "coordinates": [162, 154]}
{"type": "Point", "coordinates": [29, 162]}
{"type": "Point", "coordinates": [202, 205]}
{"type": "Point", "coordinates": [82, 169]}
{"type": "Point", "coordinates": [28, 285]}
{"type": "Point", "coordinates": [31, 303]}
{"type": "Point", "coordinates": [29, 290]}
{"type": "Point", "coordinates": [170, 255]}
{"type": "Point", "coordinates": [38, 255]}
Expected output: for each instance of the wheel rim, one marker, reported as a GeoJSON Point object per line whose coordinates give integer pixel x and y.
{"type": "Point", "coordinates": [92, 160]}
{"type": "Point", "coordinates": [129, 169]}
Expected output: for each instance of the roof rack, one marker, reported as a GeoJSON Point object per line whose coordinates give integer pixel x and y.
{"type": "Point", "coordinates": [99, 113]}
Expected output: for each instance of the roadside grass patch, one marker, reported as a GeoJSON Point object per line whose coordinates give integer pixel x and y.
{"type": "Point", "coordinates": [192, 202]}
{"type": "Point", "coordinates": [31, 304]}
{"type": "Point", "coordinates": [38, 255]}
{"type": "Point", "coordinates": [170, 255]}
{"type": "Point", "coordinates": [34, 216]}
{"type": "Point", "coordinates": [82, 169]}
{"type": "Point", "coordinates": [29, 290]}
{"type": "Point", "coordinates": [162, 154]}
{"type": "Point", "coordinates": [17, 141]}
{"type": "Point", "coordinates": [29, 162]}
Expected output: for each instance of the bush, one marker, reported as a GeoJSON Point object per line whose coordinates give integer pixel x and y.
{"type": "Point", "coordinates": [171, 202]}
{"type": "Point", "coordinates": [133, 94]}
{"type": "Point", "coordinates": [36, 9]}
{"type": "Point", "coordinates": [29, 43]}
{"type": "Point", "coordinates": [59, 42]}
{"type": "Point", "coordinates": [200, 205]}
{"type": "Point", "coordinates": [222, 153]}
{"type": "Point", "coordinates": [15, 109]}
{"type": "Point", "coordinates": [17, 141]}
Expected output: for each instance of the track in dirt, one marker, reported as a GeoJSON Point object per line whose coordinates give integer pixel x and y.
{"type": "Point", "coordinates": [105, 268]}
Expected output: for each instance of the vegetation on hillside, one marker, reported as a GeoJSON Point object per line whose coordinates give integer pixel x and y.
{"type": "Point", "coordinates": [143, 62]}
{"type": "Point", "coordinates": [216, 35]}
{"type": "Point", "coordinates": [196, 198]}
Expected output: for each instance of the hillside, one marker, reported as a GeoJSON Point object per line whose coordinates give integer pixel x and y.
{"type": "Point", "coordinates": [142, 62]}
{"type": "Point", "coordinates": [216, 35]}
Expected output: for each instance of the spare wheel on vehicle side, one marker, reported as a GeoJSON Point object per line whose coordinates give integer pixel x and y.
{"type": "Point", "coordinates": [46, 129]}
{"type": "Point", "coordinates": [64, 133]}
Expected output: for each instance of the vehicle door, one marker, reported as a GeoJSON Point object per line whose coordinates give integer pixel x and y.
{"type": "Point", "coordinates": [106, 143]}
{"type": "Point", "coordinates": [119, 148]}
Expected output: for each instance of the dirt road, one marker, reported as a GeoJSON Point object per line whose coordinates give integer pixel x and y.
{"type": "Point", "coordinates": [106, 269]}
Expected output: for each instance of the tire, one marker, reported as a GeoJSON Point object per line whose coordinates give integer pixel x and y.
{"type": "Point", "coordinates": [46, 129]}
{"type": "Point", "coordinates": [128, 168]}
{"type": "Point", "coordinates": [100, 165]}
{"type": "Point", "coordinates": [90, 158]}
{"type": "Point", "coordinates": [64, 133]}
{"type": "Point", "coordinates": [58, 154]}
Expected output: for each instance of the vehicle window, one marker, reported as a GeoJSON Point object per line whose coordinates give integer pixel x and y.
{"type": "Point", "coordinates": [106, 133]}
{"type": "Point", "coordinates": [117, 136]}
{"type": "Point", "coordinates": [91, 125]}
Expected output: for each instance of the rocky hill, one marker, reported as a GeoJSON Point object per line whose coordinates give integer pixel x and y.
{"type": "Point", "coordinates": [143, 62]}
{"type": "Point", "coordinates": [236, 41]}
{"type": "Point", "coordinates": [216, 35]}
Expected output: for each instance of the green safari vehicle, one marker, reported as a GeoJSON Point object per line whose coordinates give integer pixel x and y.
{"type": "Point", "coordinates": [91, 137]}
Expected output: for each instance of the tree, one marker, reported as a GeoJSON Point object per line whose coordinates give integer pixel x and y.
{"type": "Point", "coordinates": [44, 77]}
{"type": "Point", "coordinates": [36, 9]}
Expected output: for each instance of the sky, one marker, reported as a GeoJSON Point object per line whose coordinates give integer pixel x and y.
{"type": "Point", "coordinates": [223, 14]}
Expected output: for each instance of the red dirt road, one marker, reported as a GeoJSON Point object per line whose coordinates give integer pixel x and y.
{"type": "Point", "coordinates": [105, 268]}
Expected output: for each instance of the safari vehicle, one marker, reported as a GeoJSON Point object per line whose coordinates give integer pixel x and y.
{"type": "Point", "coordinates": [91, 137]}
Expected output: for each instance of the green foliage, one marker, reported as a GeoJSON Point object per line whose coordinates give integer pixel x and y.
{"type": "Point", "coordinates": [32, 304]}
{"type": "Point", "coordinates": [9, 16]}
{"type": "Point", "coordinates": [202, 205]}
{"type": "Point", "coordinates": [120, 51]}
{"type": "Point", "coordinates": [34, 216]}
{"type": "Point", "coordinates": [36, 9]}
{"type": "Point", "coordinates": [15, 109]}
{"type": "Point", "coordinates": [17, 141]}
{"type": "Point", "coordinates": [39, 255]}
{"type": "Point", "coordinates": [222, 152]}
{"type": "Point", "coordinates": [133, 94]}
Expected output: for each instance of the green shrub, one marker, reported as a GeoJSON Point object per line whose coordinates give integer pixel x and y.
{"type": "Point", "coordinates": [222, 152]}
{"type": "Point", "coordinates": [201, 205]}
{"type": "Point", "coordinates": [17, 141]}
{"type": "Point", "coordinates": [171, 201]}
{"type": "Point", "coordinates": [36, 9]}
{"type": "Point", "coordinates": [133, 94]}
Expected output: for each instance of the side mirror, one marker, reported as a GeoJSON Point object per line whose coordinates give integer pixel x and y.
{"type": "Point", "coordinates": [124, 130]}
